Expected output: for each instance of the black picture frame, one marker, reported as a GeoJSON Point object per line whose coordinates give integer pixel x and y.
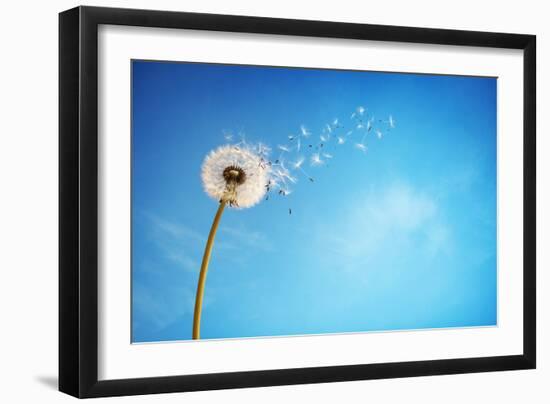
{"type": "Point", "coordinates": [78, 201]}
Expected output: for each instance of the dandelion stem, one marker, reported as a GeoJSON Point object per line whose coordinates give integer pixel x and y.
{"type": "Point", "coordinates": [204, 270]}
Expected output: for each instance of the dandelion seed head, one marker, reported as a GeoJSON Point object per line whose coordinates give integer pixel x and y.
{"type": "Point", "coordinates": [235, 175]}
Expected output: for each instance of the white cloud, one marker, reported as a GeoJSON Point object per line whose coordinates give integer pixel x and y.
{"type": "Point", "coordinates": [383, 220]}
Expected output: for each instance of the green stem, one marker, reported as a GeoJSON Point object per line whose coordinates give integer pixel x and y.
{"type": "Point", "coordinates": [204, 270]}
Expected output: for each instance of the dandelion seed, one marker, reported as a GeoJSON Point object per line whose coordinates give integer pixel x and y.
{"type": "Point", "coordinates": [361, 147]}
{"type": "Point", "coordinates": [369, 124]}
{"type": "Point", "coordinates": [291, 137]}
{"type": "Point", "coordinates": [341, 140]}
{"type": "Point", "coordinates": [359, 126]}
{"type": "Point", "coordinates": [284, 148]}
{"type": "Point", "coordinates": [327, 155]}
{"type": "Point", "coordinates": [328, 129]}
{"type": "Point", "coordinates": [228, 136]}
{"type": "Point", "coordinates": [360, 110]}
{"type": "Point", "coordinates": [349, 133]}
{"type": "Point", "coordinates": [283, 174]}
{"type": "Point", "coordinates": [379, 134]}
{"type": "Point", "coordinates": [324, 138]}
{"type": "Point", "coordinates": [304, 131]}
{"type": "Point", "coordinates": [391, 122]}
{"type": "Point", "coordinates": [316, 159]}
{"type": "Point", "coordinates": [298, 164]}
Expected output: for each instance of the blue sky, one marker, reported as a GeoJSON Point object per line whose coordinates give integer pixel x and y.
{"type": "Point", "coordinates": [400, 237]}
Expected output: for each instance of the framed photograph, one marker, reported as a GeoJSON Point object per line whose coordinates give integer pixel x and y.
{"type": "Point", "coordinates": [251, 201]}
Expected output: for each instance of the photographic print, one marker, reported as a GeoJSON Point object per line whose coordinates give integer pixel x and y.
{"type": "Point", "coordinates": [272, 201]}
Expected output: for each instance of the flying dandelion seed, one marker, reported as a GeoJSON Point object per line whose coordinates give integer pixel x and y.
{"type": "Point", "coordinates": [391, 122]}
{"type": "Point", "coordinates": [298, 164]}
{"type": "Point", "coordinates": [316, 159]}
{"type": "Point", "coordinates": [378, 134]}
{"type": "Point", "coordinates": [304, 131]}
{"type": "Point", "coordinates": [284, 148]}
{"type": "Point", "coordinates": [341, 140]}
{"type": "Point", "coordinates": [360, 110]}
{"type": "Point", "coordinates": [233, 176]}
{"type": "Point", "coordinates": [361, 146]}
{"type": "Point", "coordinates": [369, 124]}
{"type": "Point", "coordinates": [228, 136]}
{"type": "Point", "coordinates": [284, 174]}
{"type": "Point", "coordinates": [327, 155]}
{"type": "Point", "coordinates": [324, 138]}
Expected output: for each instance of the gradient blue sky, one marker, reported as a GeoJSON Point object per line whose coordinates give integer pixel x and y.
{"type": "Point", "coordinates": [402, 237]}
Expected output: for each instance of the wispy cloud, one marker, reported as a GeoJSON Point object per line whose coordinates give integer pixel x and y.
{"type": "Point", "coordinates": [161, 308]}
{"type": "Point", "coordinates": [382, 220]}
{"type": "Point", "coordinates": [177, 242]}
{"type": "Point", "coordinates": [242, 236]}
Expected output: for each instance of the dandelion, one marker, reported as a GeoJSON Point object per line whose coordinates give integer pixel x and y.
{"type": "Point", "coordinates": [233, 176]}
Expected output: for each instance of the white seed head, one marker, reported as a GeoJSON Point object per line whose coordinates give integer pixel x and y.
{"type": "Point", "coordinates": [236, 175]}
